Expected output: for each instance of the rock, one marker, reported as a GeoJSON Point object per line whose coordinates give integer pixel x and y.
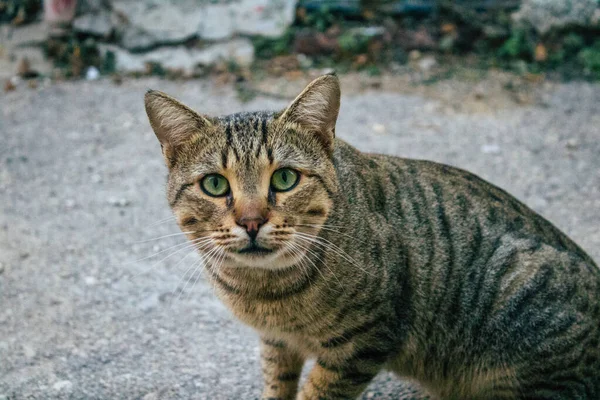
{"type": "Point", "coordinates": [137, 39]}
{"type": "Point", "coordinates": [90, 280]}
{"type": "Point", "coordinates": [308, 42]}
{"type": "Point", "coordinates": [98, 24]}
{"type": "Point", "coordinates": [182, 58]}
{"type": "Point", "coordinates": [92, 73]}
{"type": "Point", "coordinates": [9, 86]}
{"type": "Point", "coordinates": [547, 15]}
{"type": "Point", "coordinates": [572, 144]}
{"type": "Point", "coordinates": [153, 22]}
{"type": "Point", "coordinates": [91, 6]}
{"type": "Point", "coordinates": [379, 129]}
{"type": "Point", "coordinates": [414, 55]}
{"type": "Point", "coordinates": [118, 202]}
{"type": "Point", "coordinates": [541, 54]}
{"type": "Point", "coordinates": [420, 39]}
{"type": "Point", "coordinates": [149, 303]}
{"type": "Point", "coordinates": [490, 149]}
{"type": "Point", "coordinates": [150, 396]}
{"type": "Point", "coordinates": [24, 35]}
{"type": "Point", "coordinates": [63, 386]}
{"type": "Point", "coordinates": [70, 203]}
{"type": "Point", "coordinates": [427, 63]}
{"type": "Point", "coordinates": [96, 178]}
{"type": "Point", "coordinates": [29, 351]}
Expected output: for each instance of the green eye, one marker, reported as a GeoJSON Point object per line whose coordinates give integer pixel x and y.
{"type": "Point", "coordinates": [215, 185]}
{"type": "Point", "coordinates": [284, 179]}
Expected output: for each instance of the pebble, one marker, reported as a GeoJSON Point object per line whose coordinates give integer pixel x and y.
{"type": "Point", "coordinates": [92, 74]}
{"type": "Point", "coordinates": [490, 149]}
{"type": "Point", "coordinates": [29, 351]}
{"type": "Point", "coordinates": [63, 385]}
{"type": "Point", "coordinates": [118, 202]}
{"type": "Point", "coordinates": [427, 63]}
{"type": "Point", "coordinates": [2, 267]}
{"type": "Point", "coordinates": [90, 280]}
{"type": "Point", "coordinates": [572, 144]}
{"type": "Point", "coordinates": [414, 55]}
{"type": "Point", "coordinates": [379, 128]}
{"type": "Point", "coordinates": [96, 178]}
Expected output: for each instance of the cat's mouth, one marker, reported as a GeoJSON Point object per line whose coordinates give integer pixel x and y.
{"type": "Point", "coordinates": [255, 250]}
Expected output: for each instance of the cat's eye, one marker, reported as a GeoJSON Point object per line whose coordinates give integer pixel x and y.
{"type": "Point", "coordinates": [284, 179]}
{"type": "Point", "coordinates": [215, 185]}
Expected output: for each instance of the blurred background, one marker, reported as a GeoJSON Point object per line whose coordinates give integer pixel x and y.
{"type": "Point", "coordinates": [99, 296]}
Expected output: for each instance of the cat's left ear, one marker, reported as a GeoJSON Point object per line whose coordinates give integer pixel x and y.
{"type": "Point", "coordinates": [173, 123]}
{"type": "Point", "coordinates": [316, 108]}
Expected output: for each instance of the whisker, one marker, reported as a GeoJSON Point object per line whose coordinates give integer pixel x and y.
{"type": "Point", "coordinates": [298, 255]}
{"type": "Point", "coordinates": [164, 250]}
{"type": "Point", "coordinates": [326, 244]}
{"type": "Point", "coordinates": [199, 265]}
{"type": "Point", "coordinates": [165, 236]}
{"type": "Point", "coordinates": [326, 228]}
{"type": "Point", "coordinates": [221, 256]}
{"type": "Point", "coordinates": [322, 262]}
{"type": "Point", "coordinates": [192, 244]}
{"type": "Point", "coordinates": [161, 221]}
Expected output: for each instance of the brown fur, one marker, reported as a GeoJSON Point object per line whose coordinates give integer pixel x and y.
{"type": "Point", "coordinates": [375, 262]}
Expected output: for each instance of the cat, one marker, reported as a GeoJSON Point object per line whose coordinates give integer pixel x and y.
{"type": "Point", "coordinates": [368, 262]}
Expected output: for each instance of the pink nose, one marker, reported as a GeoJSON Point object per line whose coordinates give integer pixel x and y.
{"type": "Point", "coordinates": [252, 225]}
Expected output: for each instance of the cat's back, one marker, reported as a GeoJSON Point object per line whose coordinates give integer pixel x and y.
{"type": "Point", "coordinates": [424, 199]}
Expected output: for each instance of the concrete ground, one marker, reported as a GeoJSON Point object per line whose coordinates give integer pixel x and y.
{"type": "Point", "coordinates": [85, 315]}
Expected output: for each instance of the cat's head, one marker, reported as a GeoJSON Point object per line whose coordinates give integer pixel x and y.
{"type": "Point", "coordinates": [252, 189]}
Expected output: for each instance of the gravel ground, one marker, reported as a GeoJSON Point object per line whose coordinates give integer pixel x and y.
{"type": "Point", "coordinates": [83, 313]}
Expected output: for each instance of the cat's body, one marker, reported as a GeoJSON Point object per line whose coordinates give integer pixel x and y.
{"type": "Point", "coordinates": [407, 265]}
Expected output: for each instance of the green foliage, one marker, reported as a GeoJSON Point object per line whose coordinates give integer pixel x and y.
{"type": "Point", "coordinates": [590, 59]}
{"type": "Point", "coordinates": [266, 48]}
{"type": "Point", "coordinates": [517, 46]}
{"type": "Point", "coordinates": [74, 55]}
{"type": "Point", "coordinates": [353, 43]}
{"type": "Point", "coordinates": [573, 42]}
{"type": "Point", "coordinates": [19, 11]}
{"type": "Point", "coordinates": [321, 19]}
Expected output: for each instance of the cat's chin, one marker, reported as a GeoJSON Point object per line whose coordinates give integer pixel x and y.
{"type": "Point", "coordinates": [276, 260]}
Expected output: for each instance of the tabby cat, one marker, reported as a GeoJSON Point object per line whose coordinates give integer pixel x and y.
{"type": "Point", "coordinates": [368, 262]}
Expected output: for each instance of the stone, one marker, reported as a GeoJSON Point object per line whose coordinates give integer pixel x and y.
{"type": "Point", "coordinates": [118, 202]}
{"type": "Point", "coordinates": [29, 351]}
{"type": "Point", "coordinates": [547, 15]}
{"type": "Point", "coordinates": [490, 149]}
{"type": "Point", "coordinates": [153, 22]}
{"type": "Point", "coordinates": [91, 6]}
{"type": "Point", "coordinates": [92, 73]}
{"type": "Point", "coordinates": [182, 58]}
{"type": "Point", "coordinates": [63, 386]}
{"type": "Point", "coordinates": [427, 63]}
{"type": "Point", "coordinates": [21, 43]}
{"type": "Point", "coordinates": [98, 24]}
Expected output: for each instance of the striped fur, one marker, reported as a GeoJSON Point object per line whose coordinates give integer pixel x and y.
{"type": "Point", "coordinates": [379, 262]}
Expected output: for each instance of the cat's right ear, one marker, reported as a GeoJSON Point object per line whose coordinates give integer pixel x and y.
{"type": "Point", "coordinates": [173, 123]}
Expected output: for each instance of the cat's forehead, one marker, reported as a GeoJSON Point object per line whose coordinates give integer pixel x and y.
{"type": "Point", "coordinates": [246, 133]}
{"type": "Point", "coordinates": [244, 126]}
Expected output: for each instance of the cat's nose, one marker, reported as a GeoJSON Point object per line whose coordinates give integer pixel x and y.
{"type": "Point", "coordinates": [252, 225]}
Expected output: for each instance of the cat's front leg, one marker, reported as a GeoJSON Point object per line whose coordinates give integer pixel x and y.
{"type": "Point", "coordinates": [345, 380]}
{"type": "Point", "coordinates": [281, 368]}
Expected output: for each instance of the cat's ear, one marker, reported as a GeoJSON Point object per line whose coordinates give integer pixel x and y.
{"type": "Point", "coordinates": [316, 108]}
{"type": "Point", "coordinates": [173, 123]}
